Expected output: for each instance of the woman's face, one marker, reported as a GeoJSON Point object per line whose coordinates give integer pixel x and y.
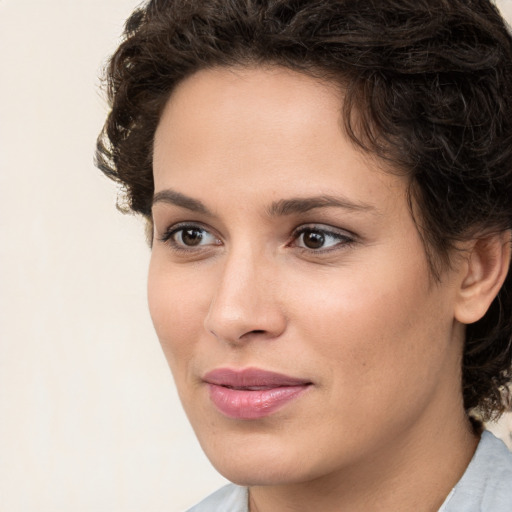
{"type": "Point", "coordinates": [288, 284]}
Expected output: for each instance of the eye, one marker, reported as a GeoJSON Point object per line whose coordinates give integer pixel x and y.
{"type": "Point", "coordinates": [320, 239]}
{"type": "Point", "coordinates": [188, 237]}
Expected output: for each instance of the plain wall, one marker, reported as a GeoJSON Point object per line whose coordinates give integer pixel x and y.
{"type": "Point", "coordinates": [89, 418]}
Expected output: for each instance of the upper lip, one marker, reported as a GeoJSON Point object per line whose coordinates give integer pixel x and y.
{"type": "Point", "coordinates": [251, 378]}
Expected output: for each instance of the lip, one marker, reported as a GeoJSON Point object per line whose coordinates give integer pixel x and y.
{"type": "Point", "coordinates": [252, 393]}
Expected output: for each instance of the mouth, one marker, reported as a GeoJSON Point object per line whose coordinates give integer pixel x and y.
{"type": "Point", "coordinates": [252, 393]}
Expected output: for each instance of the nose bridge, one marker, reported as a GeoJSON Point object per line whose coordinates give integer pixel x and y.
{"type": "Point", "coordinates": [244, 304]}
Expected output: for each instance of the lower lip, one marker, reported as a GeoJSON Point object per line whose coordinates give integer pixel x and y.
{"type": "Point", "coordinates": [250, 405]}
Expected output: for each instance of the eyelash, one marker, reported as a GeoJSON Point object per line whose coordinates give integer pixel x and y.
{"type": "Point", "coordinates": [168, 236]}
{"type": "Point", "coordinates": [345, 239]}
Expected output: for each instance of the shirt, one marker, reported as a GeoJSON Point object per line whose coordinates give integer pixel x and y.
{"type": "Point", "coordinates": [485, 486]}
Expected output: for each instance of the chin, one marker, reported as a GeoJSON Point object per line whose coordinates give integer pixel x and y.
{"type": "Point", "coordinates": [263, 472]}
{"type": "Point", "coordinates": [257, 461]}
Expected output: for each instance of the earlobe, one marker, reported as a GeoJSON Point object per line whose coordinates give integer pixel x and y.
{"type": "Point", "coordinates": [485, 271]}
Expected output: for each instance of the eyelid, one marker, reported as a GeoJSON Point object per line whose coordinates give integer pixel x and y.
{"type": "Point", "coordinates": [344, 236]}
{"type": "Point", "coordinates": [167, 236]}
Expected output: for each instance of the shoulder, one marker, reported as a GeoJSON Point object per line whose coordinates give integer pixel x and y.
{"type": "Point", "coordinates": [486, 486]}
{"type": "Point", "coordinates": [230, 498]}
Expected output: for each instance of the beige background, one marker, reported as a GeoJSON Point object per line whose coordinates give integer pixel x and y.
{"type": "Point", "coordinates": [89, 419]}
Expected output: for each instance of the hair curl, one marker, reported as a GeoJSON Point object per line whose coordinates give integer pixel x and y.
{"type": "Point", "coordinates": [430, 81]}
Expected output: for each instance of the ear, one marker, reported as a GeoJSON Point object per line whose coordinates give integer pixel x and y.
{"type": "Point", "coordinates": [483, 274]}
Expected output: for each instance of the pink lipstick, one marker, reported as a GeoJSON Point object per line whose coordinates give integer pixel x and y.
{"type": "Point", "coordinates": [252, 393]}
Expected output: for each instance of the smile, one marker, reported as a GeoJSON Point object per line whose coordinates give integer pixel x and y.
{"type": "Point", "coordinates": [252, 393]}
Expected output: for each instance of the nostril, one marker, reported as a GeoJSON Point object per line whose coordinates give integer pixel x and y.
{"type": "Point", "coordinates": [249, 334]}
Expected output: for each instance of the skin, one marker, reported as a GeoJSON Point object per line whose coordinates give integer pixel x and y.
{"type": "Point", "coordinates": [382, 427]}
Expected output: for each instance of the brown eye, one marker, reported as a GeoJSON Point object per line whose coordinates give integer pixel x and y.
{"type": "Point", "coordinates": [190, 237]}
{"type": "Point", "coordinates": [320, 239]}
{"type": "Point", "coordinates": [313, 239]}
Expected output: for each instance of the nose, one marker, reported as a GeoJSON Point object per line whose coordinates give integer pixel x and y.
{"type": "Point", "coordinates": [245, 305]}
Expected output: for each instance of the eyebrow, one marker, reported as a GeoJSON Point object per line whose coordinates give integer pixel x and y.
{"type": "Point", "coordinates": [279, 208]}
{"type": "Point", "coordinates": [175, 198]}
{"type": "Point", "coordinates": [303, 205]}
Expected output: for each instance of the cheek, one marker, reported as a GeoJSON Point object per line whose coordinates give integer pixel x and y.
{"type": "Point", "coordinates": [177, 305]}
{"type": "Point", "coordinates": [378, 333]}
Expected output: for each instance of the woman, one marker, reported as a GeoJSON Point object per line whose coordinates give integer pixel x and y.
{"type": "Point", "coordinates": [327, 185]}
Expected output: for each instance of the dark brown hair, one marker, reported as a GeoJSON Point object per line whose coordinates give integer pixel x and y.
{"type": "Point", "coordinates": [430, 81]}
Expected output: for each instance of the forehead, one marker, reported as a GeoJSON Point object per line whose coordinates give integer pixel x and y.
{"type": "Point", "coordinates": [246, 90]}
{"type": "Point", "coordinates": [245, 119]}
{"type": "Point", "coordinates": [241, 103]}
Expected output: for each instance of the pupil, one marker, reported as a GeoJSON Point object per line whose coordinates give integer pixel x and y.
{"type": "Point", "coordinates": [313, 240]}
{"type": "Point", "coordinates": [191, 236]}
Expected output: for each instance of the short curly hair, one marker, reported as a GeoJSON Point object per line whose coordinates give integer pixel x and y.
{"type": "Point", "coordinates": [430, 81]}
